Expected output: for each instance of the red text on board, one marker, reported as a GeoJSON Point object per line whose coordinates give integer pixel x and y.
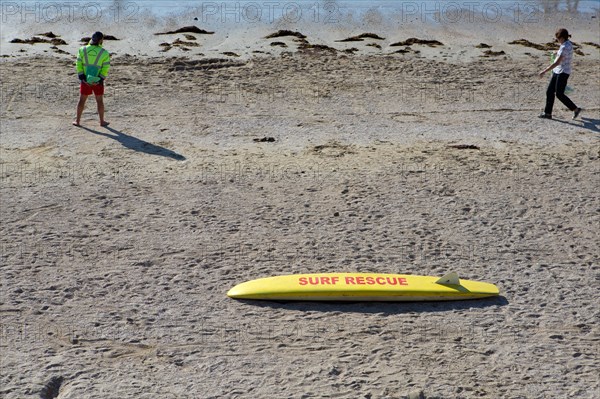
{"type": "Point", "coordinates": [352, 280]}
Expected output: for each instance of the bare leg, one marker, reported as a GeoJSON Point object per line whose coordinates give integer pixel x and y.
{"type": "Point", "coordinates": [80, 108]}
{"type": "Point", "coordinates": [100, 102]}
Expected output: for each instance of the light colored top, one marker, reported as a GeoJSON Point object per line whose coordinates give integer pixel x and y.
{"type": "Point", "coordinates": [566, 50]}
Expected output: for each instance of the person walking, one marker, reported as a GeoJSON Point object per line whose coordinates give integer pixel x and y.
{"type": "Point", "coordinates": [561, 70]}
{"type": "Point", "coordinates": [93, 63]}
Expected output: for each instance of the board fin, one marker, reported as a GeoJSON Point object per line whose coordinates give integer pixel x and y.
{"type": "Point", "coordinates": [450, 279]}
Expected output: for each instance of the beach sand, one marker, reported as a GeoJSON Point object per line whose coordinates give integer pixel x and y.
{"type": "Point", "coordinates": [119, 244]}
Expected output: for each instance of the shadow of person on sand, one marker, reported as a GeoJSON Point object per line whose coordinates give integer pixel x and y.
{"type": "Point", "coordinates": [384, 308]}
{"type": "Point", "coordinates": [591, 124]}
{"type": "Point", "coordinates": [587, 123]}
{"type": "Point", "coordinates": [133, 143]}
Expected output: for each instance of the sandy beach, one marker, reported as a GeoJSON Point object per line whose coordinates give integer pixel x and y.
{"type": "Point", "coordinates": [119, 244]}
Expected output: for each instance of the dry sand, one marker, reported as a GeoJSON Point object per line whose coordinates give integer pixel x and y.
{"type": "Point", "coordinates": [118, 245]}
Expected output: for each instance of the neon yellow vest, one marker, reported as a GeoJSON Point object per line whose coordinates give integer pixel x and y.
{"type": "Point", "coordinates": [92, 69]}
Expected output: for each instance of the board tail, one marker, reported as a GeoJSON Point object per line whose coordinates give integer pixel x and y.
{"type": "Point", "coordinates": [449, 279]}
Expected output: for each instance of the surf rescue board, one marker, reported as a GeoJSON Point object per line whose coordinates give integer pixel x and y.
{"type": "Point", "coordinates": [363, 287]}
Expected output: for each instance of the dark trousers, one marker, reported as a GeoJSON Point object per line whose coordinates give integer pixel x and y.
{"type": "Point", "coordinates": [557, 87]}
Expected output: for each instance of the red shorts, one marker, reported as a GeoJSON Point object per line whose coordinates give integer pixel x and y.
{"type": "Point", "coordinates": [87, 90]}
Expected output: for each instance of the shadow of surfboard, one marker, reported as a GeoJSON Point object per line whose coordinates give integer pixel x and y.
{"type": "Point", "coordinates": [385, 308]}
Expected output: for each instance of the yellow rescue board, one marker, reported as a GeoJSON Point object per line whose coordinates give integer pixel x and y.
{"type": "Point", "coordinates": [362, 287]}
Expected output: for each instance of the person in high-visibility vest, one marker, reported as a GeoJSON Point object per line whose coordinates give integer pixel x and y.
{"type": "Point", "coordinates": [93, 63]}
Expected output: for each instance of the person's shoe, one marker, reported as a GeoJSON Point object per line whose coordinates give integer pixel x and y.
{"type": "Point", "coordinates": [544, 115]}
{"type": "Point", "coordinates": [576, 113]}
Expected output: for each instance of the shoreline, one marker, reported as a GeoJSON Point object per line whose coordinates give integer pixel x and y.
{"type": "Point", "coordinates": [140, 36]}
{"type": "Point", "coordinates": [176, 45]}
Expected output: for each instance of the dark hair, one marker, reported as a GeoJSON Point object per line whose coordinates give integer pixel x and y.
{"type": "Point", "coordinates": [562, 33]}
{"type": "Point", "coordinates": [97, 37]}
